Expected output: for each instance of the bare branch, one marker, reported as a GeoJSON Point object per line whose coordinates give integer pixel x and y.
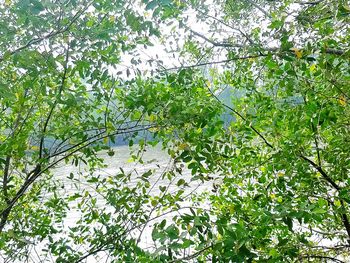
{"type": "Point", "coordinates": [259, 8]}
{"type": "Point", "coordinates": [310, 3]}
{"type": "Point", "coordinates": [321, 257]}
{"type": "Point", "coordinates": [217, 44]}
{"type": "Point", "coordinates": [214, 62]}
{"type": "Point", "coordinates": [5, 179]}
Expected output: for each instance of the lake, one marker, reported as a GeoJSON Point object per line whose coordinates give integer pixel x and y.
{"type": "Point", "coordinates": [154, 158]}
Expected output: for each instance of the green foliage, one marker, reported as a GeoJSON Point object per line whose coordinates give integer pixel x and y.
{"type": "Point", "coordinates": [257, 115]}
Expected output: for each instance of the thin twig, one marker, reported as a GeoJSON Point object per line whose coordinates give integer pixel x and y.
{"type": "Point", "coordinates": [321, 257]}
{"type": "Point", "coordinates": [63, 81]}
{"type": "Point", "coordinates": [243, 118]}
{"type": "Point", "coordinates": [214, 62]}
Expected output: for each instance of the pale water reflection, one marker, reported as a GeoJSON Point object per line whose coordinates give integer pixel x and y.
{"type": "Point", "coordinates": [154, 159]}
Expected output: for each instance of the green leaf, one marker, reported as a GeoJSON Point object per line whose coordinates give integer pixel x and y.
{"type": "Point", "coordinates": [181, 182]}
{"type": "Point", "coordinates": [172, 232]}
{"type": "Point", "coordinates": [151, 5]}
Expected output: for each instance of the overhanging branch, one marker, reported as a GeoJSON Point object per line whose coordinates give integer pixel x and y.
{"type": "Point", "coordinates": [39, 170]}
{"type": "Point", "coordinates": [49, 35]}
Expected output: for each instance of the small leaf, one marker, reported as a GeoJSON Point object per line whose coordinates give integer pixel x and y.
{"type": "Point", "coordinates": [151, 5]}
{"type": "Point", "coordinates": [181, 182]}
{"type": "Point", "coordinates": [154, 203]}
{"type": "Point", "coordinates": [298, 52]}
{"type": "Point", "coordinates": [172, 231]}
{"type": "Point", "coordinates": [110, 152]}
{"type": "Point", "coordinates": [319, 211]}
{"type": "Point", "coordinates": [313, 68]}
{"type": "Point", "coordinates": [342, 100]}
{"type": "Point", "coordinates": [183, 146]}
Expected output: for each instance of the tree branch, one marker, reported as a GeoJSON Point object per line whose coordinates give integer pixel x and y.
{"type": "Point", "coordinates": [259, 8]}
{"type": "Point", "coordinates": [5, 179]}
{"type": "Point", "coordinates": [214, 62]}
{"type": "Point", "coordinates": [344, 216]}
{"type": "Point", "coordinates": [63, 81]}
{"type": "Point", "coordinates": [321, 257]}
{"type": "Point", "coordinates": [243, 118]}
{"type": "Point", "coordinates": [38, 170]}
{"type": "Point", "coordinates": [49, 35]}
{"type": "Point", "coordinates": [314, 129]}
{"type": "Point", "coordinates": [216, 44]}
{"type": "Point", "coordinates": [227, 25]}
{"type": "Point", "coordinates": [194, 255]}
{"type": "Point", "coordinates": [322, 172]}
{"type": "Point", "coordinates": [310, 3]}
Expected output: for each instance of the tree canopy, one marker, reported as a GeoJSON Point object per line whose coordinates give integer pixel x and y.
{"type": "Point", "coordinates": [249, 99]}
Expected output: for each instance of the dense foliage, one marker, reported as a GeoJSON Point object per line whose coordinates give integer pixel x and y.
{"type": "Point", "coordinates": [249, 100]}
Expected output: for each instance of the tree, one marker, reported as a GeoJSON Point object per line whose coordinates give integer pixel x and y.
{"type": "Point", "coordinates": [284, 158]}
{"type": "Point", "coordinates": [59, 104]}
{"type": "Point", "coordinates": [277, 139]}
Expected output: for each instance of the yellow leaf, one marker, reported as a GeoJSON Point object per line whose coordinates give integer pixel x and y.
{"type": "Point", "coordinates": [337, 203]}
{"type": "Point", "coordinates": [199, 130]}
{"type": "Point", "coordinates": [280, 174]}
{"type": "Point", "coordinates": [252, 59]}
{"type": "Point", "coordinates": [232, 209]}
{"type": "Point", "coordinates": [153, 129]}
{"type": "Point", "coordinates": [183, 146]}
{"type": "Point", "coordinates": [208, 83]}
{"type": "Point", "coordinates": [105, 140]}
{"type": "Point", "coordinates": [342, 100]}
{"type": "Point", "coordinates": [152, 117]}
{"type": "Point", "coordinates": [7, 2]}
{"type": "Point", "coordinates": [17, 94]}
{"type": "Point", "coordinates": [298, 52]}
{"type": "Point", "coordinates": [178, 2]}
{"type": "Point", "coordinates": [313, 67]}
{"type": "Point", "coordinates": [34, 147]}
